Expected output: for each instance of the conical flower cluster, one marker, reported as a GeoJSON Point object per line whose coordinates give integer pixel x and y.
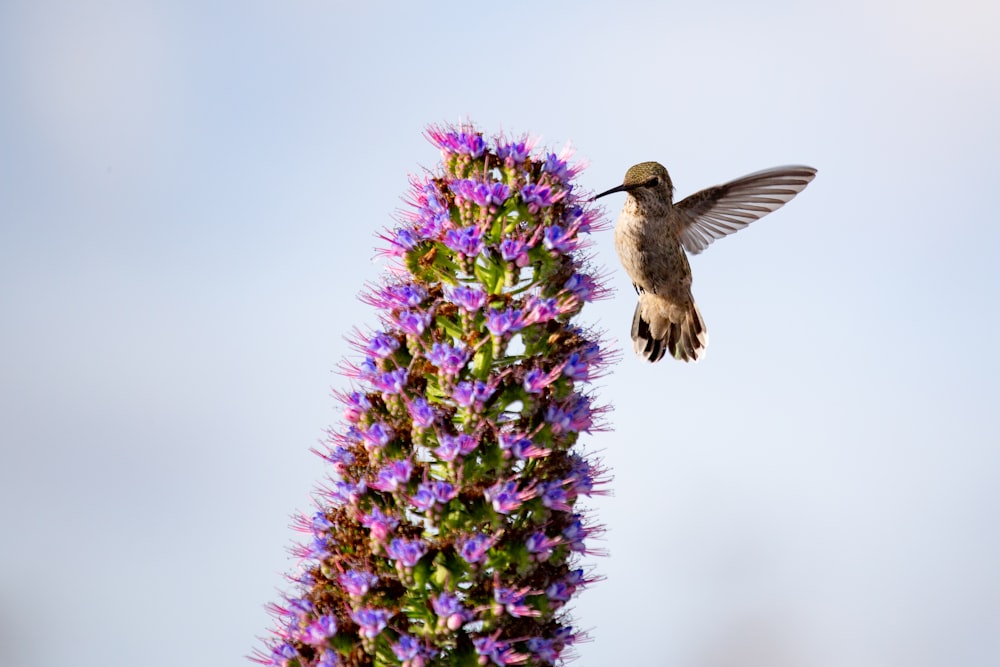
{"type": "Point", "coordinates": [449, 532]}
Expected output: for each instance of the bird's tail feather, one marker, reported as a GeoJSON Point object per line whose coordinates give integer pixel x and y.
{"type": "Point", "coordinates": [659, 326]}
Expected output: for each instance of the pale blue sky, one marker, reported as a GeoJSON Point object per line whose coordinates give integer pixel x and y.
{"type": "Point", "coordinates": [189, 194]}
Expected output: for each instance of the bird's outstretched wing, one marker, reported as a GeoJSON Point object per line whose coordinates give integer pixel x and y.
{"type": "Point", "coordinates": [723, 209]}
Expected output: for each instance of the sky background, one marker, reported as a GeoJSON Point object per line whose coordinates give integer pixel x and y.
{"type": "Point", "coordinates": [189, 197]}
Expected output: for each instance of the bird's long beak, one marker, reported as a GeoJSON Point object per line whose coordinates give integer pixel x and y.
{"type": "Point", "coordinates": [618, 188]}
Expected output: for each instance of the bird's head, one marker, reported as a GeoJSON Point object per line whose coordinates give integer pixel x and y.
{"type": "Point", "coordinates": [645, 181]}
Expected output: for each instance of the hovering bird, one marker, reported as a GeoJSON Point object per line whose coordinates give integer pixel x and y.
{"type": "Point", "coordinates": [653, 232]}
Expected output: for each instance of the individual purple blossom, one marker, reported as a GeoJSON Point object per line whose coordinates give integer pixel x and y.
{"type": "Point", "coordinates": [339, 455]}
{"type": "Point", "coordinates": [540, 309]}
{"type": "Point", "coordinates": [421, 412]}
{"type": "Point", "coordinates": [406, 647]}
{"type": "Point", "coordinates": [372, 621]}
{"type": "Point", "coordinates": [514, 601]}
{"type": "Point", "coordinates": [543, 649]}
{"type": "Point", "coordinates": [319, 524]}
{"type": "Point", "coordinates": [514, 250]}
{"type": "Point", "coordinates": [356, 404]}
{"type": "Point", "coordinates": [406, 552]}
{"type": "Point", "coordinates": [461, 142]}
{"type": "Point", "coordinates": [505, 498]}
{"type": "Point", "coordinates": [405, 295]}
{"type": "Point", "coordinates": [378, 435]}
{"type": "Point", "coordinates": [516, 152]}
{"type": "Point", "coordinates": [539, 196]}
{"type": "Point", "coordinates": [536, 380]}
{"type": "Point", "coordinates": [379, 523]}
{"type": "Point", "coordinates": [473, 548]}
{"type": "Point", "coordinates": [450, 359]}
{"type": "Point", "coordinates": [499, 322]}
{"type": "Point", "coordinates": [357, 582]}
{"type": "Point", "coordinates": [557, 166]}
{"type": "Point", "coordinates": [554, 497]}
{"type": "Point", "coordinates": [413, 322]}
{"type": "Point", "coordinates": [575, 534]}
{"type": "Point", "coordinates": [482, 194]}
{"type": "Point", "coordinates": [393, 476]}
{"type": "Point", "coordinates": [444, 492]}
{"type": "Point", "coordinates": [449, 609]}
{"type": "Point", "coordinates": [559, 591]}
{"type": "Point", "coordinates": [500, 652]}
{"type": "Point", "coordinates": [520, 446]}
{"type": "Point", "coordinates": [469, 299]}
{"type": "Point", "coordinates": [328, 658]}
{"type": "Point", "coordinates": [468, 240]}
{"type": "Point", "coordinates": [583, 287]}
{"type": "Point", "coordinates": [345, 492]}
{"type": "Point", "coordinates": [317, 632]}
{"type": "Point", "coordinates": [453, 446]}
{"type": "Point", "coordinates": [382, 345]}
{"type": "Point", "coordinates": [540, 545]}
{"type": "Point", "coordinates": [423, 499]}
{"type": "Point", "coordinates": [391, 382]}
{"type": "Point", "coordinates": [558, 239]}
{"type": "Point", "coordinates": [467, 394]}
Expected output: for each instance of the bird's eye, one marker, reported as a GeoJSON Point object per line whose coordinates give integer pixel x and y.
{"type": "Point", "coordinates": [653, 182]}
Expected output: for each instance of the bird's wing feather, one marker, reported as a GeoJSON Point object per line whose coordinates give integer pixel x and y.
{"type": "Point", "coordinates": [723, 209]}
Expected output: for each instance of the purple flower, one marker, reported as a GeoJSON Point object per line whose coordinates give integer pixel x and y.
{"type": "Point", "coordinates": [413, 322]}
{"type": "Point", "coordinates": [469, 299]}
{"type": "Point", "coordinates": [459, 142]}
{"type": "Point", "coordinates": [355, 405]}
{"type": "Point", "coordinates": [483, 194]}
{"type": "Point", "coordinates": [379, 523]}
{"type": "Point", "coordinates": [372, 621]}
{"type": "Point", "coordinates": [377, 435]}
{"type": "Point", "coordinates": [540, 309]}
{"type": "Point", "coordinates": [554, 497]}
{"type": "Point", "coordinates": [521, 447]}
{"type": "Point", "coordinates": [406, 648]}
{"type": "Point", "coordinates": [559, 240]}
{"type": "Point", "coordinates": [467, 394]}
{"type": "Point", "coordinates": [329, 658]}
{"type": "Point", "coordinates": [468, 241]}
{"type": "Point", "coordinates": [575, 534]}
{"type": "Point", "coordinates": [406, 295]}
{"type": "Point", "coordinates": [543, 649]}
{"type": "Point", "coordinates": [444, 492]}
{"type": "Point", "coordinates": [560, 591]}
{"type": "Point", "coordinates": [424, 498]}
{"type": "Point", "coordinates": [514, 250]}
{"type": "Point", "coordinates": [406, 552]}
{"type": "Point", "coordinates": [319, 524]}
{"type": "Point", "coordinates": [344, 492]}
{"type": "Point", "coordinates": [421, 413]}
{"type": "Point", "coordinates": [536, 380]}
{"type": "Point", "coordinates": [514, 601]}
{"type": "Point", "coordinates": [541, 545]}
{"type": "Point", "coordinates": [538, 196]}
{"type": "Point", "coordinates": [450, 610]}
{"type": "Point", "coordinates": [450, 359]}
{"type": "Point", "coordinates": [516, 151]}
{"type": "Point", "coordinates": [501, 653]}
{"type": "Point", "coordinates": [499, 322]}
{"type": "Point", "coordinates": [453, 446]}
{"type": "Point", "coordinates": [317, 632]}
{"type": "Point", "coordinates": [473, 548]}
{"type": "Point", "coordinates": [505, 498]}
{"type": "Point", "coordinates": [357, 582]}
{"type": "Point", "coordinates": [391, 382]}
{"type": "Point", "coordinates": [393, 476]}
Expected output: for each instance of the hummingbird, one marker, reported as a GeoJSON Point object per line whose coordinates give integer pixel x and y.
{"type": "Point", "coordinates": [653, 233]}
